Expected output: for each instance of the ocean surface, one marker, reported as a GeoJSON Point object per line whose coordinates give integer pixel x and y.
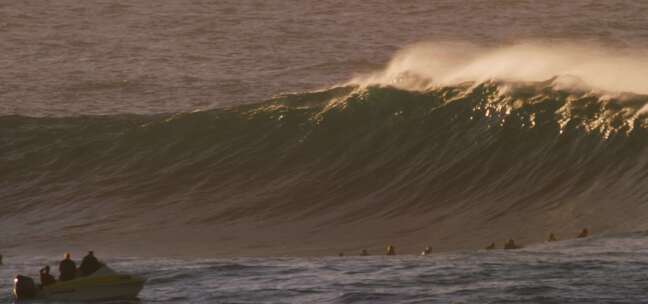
{"type": "Point", "coordinates": [231, 149]}
{"type": "Point", "coordinates": [612, 269]}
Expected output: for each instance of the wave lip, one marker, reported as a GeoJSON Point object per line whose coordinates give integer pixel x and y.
{"type": "Point", "coordinates": [425, 65]}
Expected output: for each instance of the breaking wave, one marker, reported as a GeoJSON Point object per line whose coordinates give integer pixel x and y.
{"type": "Point", "coordinates": [423, 66]}
{"type": "Point", "coordinates": [370, 151]}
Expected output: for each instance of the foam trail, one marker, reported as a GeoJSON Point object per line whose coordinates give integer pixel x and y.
{"type": "Point", "coordinates": [426, 65]}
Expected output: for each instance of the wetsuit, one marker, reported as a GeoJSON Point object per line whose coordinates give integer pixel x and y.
{"type": "Point", "coordinates": [511, 245]}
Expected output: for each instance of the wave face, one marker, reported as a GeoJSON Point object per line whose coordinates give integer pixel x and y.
{"type": "Point", "coordinates": [342, 155]}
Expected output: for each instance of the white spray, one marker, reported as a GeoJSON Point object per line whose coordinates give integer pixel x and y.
{"type": "Point", "coordinates": [426, 65]}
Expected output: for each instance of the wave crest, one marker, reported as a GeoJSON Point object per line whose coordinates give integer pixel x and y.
{"type": "Point", "coordinates": [428, 65]}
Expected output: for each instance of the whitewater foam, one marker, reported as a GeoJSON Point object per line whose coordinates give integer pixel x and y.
{"type": "Point", "coordinates": [571, 65]}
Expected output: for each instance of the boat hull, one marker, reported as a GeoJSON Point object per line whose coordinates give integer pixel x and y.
{"type": "Point", "coordinates": [105, 284]}
{"type": "Point", "coordinates": [99, 288]}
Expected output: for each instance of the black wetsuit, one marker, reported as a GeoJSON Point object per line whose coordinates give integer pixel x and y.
{"type": "Point", "coordinates": [89, 265]}
{"type": "Point", "coordinates": [67, 268]}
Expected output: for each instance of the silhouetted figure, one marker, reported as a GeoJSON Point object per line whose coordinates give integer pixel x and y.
{"type": "Point", "coordinates": [511, 245]}
{"type": "Point", "coordinates": [391, 250]}
{"type": "Point", "coordinates": [45, 277]}
{"type": "Point", "coordinates": [89, 264]}
{"type": "Point", "coordinates": [552, 238]}
{"type": "Point", "coordinates": [67, 268]}
{"type": "Point", "coordinates": [364, 252]}
{"type": "Point", "coordinates": [584, 233]}
{"type": "Point", "coordinates": [427, 250]}
{"type": "Point", "coordinates": [491, 246]}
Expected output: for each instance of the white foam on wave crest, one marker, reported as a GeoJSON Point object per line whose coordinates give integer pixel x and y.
{"type": "Point", "coordinates": [426, 65]}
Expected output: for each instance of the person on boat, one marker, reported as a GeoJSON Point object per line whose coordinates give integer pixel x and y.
{"type": "Point", "coordinates": [45, 277]}
{"type": "Point", "coordinates": [491, 246]}
{"type": "Point", "coordinates": [89, 264]}
{"type": "Point", "coordinates": [67, 269]}
{"type": "Point", "coordinates": [427, 250]}
{"type": "Point", "coordinates": [364, 252]}
{"type": "Point", "coordinates": [584, 233]}
{"type": "Point", "coordinates": [511, 245]}
{"type": "Point", "coordinates": [391, 250]}
{"type": "Point", "coordinates": [552, 238]}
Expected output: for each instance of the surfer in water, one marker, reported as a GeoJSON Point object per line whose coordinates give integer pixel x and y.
{"type": "Point", "coordinates": [427, 250]}
{"type": "Point", "coordinates": [584, 233]}
{"type": "Point", "coordinates": [491, 246]}
{"type": "Point", "coordinates": [364, 252]}
{"type": "Point", "coordinates": [511, 245]}
{"type": "Point", "coordinates": [391, 250]}
{"type": "Point", "coordinates": [552, 238]}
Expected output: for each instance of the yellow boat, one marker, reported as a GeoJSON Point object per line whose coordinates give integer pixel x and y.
{"type": "Point", "coordinates": [104, 284]}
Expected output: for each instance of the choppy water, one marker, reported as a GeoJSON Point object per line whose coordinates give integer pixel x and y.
{"type": "Point", "coordinates": [599, 270]}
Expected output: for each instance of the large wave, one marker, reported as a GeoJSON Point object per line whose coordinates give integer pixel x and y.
{"type": "Point", "coordinates": [494, 150]}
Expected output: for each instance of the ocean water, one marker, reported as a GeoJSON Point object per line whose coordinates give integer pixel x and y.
{"type": "Point", "coordinates": [609, 269]}
{"type": "Point", "coordinates": [228, 150]}
{"type": "Point", "coordinates": [72, 58]}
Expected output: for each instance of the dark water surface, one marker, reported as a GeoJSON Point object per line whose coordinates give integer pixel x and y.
{"type": "Point", "coordinates": [601, 270]}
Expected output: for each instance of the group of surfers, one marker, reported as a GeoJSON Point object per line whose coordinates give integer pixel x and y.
{"type": "Point", "coordinates": [68, 270]}
{"type": "Point", "coordinates": [510, 244]}
{"type": "Point", "coordinates": [90, 264]}
{"type": "Point", "coordinates": [391, 250]}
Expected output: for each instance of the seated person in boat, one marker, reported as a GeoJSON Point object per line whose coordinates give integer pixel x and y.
{"type": "Point", "coordinates": [45, 277]}
{"type": "Point", "coordinates": [89, 264]}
